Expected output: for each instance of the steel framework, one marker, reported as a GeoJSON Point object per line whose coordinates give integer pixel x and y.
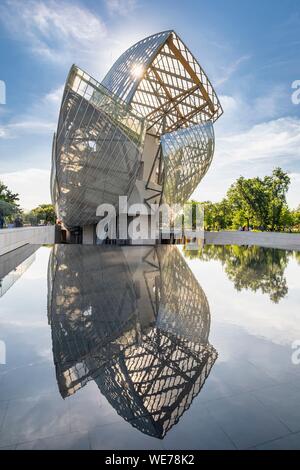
{"type": "Point", "coordinates": [156, 88]}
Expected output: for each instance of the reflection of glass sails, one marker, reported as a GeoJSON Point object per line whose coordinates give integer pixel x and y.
{"type": "Point", "coordinates": [135, 321]}
{"type": "Point", "coordinates": [14, 264]}
{"type": "Point", "coordinates": [145, 132]}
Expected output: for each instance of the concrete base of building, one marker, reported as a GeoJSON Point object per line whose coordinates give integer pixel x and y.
{"type": "Point", "coordinates": [89, 235]}
{"type": "Point", "coordinates": [289, 241]}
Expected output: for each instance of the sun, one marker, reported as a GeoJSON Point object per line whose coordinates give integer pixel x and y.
{"type": "Point", "coordinates": [137, 71]}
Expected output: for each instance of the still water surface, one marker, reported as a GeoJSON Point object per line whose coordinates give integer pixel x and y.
{"type": "Point", "coordinates": [149, 348]}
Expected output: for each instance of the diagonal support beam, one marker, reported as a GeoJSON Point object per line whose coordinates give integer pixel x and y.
{"type": "Point", "coordinates": [168, 94]}
{"type": "Point", "coordinates": [191, 73]}
{"type": "Point", "coordinates": [176, 100]}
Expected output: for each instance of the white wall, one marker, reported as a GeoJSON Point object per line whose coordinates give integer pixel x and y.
{"type": "Point", "coordinates": [268, 239]}
{"type": "Point", "coordinates": [12, 238]}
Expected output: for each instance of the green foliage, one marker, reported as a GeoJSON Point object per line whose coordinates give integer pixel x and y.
{"type": "Point", "coordinates": [7, 209]}
{"type": "Point", "coordinates": [259, 203]}
{"type": "Point", "coordinates": [295, 217]}
{"type": "Point", "coordinates": [217, 216]}
{"type": "Point", "coordinates": [250, 267]}
{"type": "Point", "coordinates": [7, 195]}
{"type": "Point", "coordinates": [8, 202]}
{"type": "Point", "coordinates": [44, 213]}
{"type": "Point", "coordinates": [248, 199]}
{"type": "Point", "coordinates": [297, 256]}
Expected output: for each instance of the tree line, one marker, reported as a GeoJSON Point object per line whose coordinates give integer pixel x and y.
{"type": "Point", "coordinates": [10, 210]}
{"type": "Point", "coordinates": [254, 203]}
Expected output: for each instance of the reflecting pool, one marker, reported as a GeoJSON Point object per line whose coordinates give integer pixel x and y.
{"type": "Point", "coordinates": [149, 348]}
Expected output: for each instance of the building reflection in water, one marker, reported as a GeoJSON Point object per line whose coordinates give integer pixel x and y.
{"type": "Point", "coordinates": [14, 264]}
{"type": "Point", "coordinates": [134, 320]}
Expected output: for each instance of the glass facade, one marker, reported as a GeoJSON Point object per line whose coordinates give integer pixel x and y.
{"type": "Point", "coordinates": [187, 155]}
{"type": "Point", "coordinates": [157, 89]}
{"type": "Point", "coordinates": [97, 150]}
{"type": "Point", "coordinates": [163, 81]}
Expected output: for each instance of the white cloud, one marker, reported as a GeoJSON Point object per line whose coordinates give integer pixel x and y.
{"type": "Point", "coordinates": [3, 132]}
{"type": "Point", "coordinates": [54, 97]}
{"type": "Point", "coordinates": [40, 119]}
{"type": "Point", "coordinates": [66, 32]}
{"type": "Point", "coordinates": [241, 114]}
{"type": "Point", "coordinates": [19, 128]}
{"type": "Point", "coordinates": [226, 72]}
{"type": "Point", "coordinates": [261, 318]}
{"type": "Point", "coordinates": [254, 152]}
{"type": "Point", "coordinates": [120, 7]}
{"type": "Point", "coordinates": [275, 140]}
{"type": "Point", "coordinates": [53, 29]}
{"type": "Point", "coordinates": [32, 184]}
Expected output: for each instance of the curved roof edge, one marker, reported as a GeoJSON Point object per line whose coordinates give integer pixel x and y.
{"type": "Point", "coordinates": [159, 76]}
{"type": "Point", "coordinates": [142, 52]}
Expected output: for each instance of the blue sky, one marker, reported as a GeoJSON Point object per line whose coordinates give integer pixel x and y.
{"type": "Point", "coordinates": [249, 49]}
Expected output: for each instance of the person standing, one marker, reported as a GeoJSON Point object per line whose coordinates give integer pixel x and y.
{"type": "Point", "coordinates": [18, 221]}
{"type": "Point", "coordinates": [1, 220]}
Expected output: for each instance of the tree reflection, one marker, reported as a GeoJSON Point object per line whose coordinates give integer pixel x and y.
{"type": "Point", "coordinates": [250, 267]}
{"type": "Point", "coordinates": [297, 256]}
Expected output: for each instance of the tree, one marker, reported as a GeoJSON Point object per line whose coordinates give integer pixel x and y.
{"type": "Point", "coordinates": [7, 195]}
{"type": "Point", "coordinates": [277, 187]}
{"type": "Point", "coordinates": [44, 212]}
{"type": "Point", "coordinates": [217, 216]}
{"type": "Point", "coordinates": [297, 256]}
{"type": "Point", "coordinates": [9, 206]}
{"type": "Point", "coordinates": [296, 219]}
{"type": "Point", "coordinates": [260, 202]}
{"type": "Point", "coordinates": [7, 209]}
{"type": "Point", "coordinates": [287, 219]}
{"type": "Point", "coordinates": [248, 199]}
{"type": "Point", "coordinates": [251, 267]}
{"type": "Point", "coordinates": [208, 215]}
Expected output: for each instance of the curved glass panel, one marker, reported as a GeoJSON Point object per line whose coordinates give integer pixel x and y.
{"type": "Point", "coordinates": [123, 76]}
{"type": "Point", "coordinates": [187, 155]}
{"type": "Point", "coordinates": [97, 149]}
{"type": "Point", "coordinates": [164, 82]}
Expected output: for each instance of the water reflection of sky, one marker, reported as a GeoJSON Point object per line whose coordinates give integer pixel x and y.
{"type": "Point", "coordinates": [252, 311]}
{"type": "Point", "coordinates": [24, 324]}
{"type": "Point", "coordinates": [251, 394]}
